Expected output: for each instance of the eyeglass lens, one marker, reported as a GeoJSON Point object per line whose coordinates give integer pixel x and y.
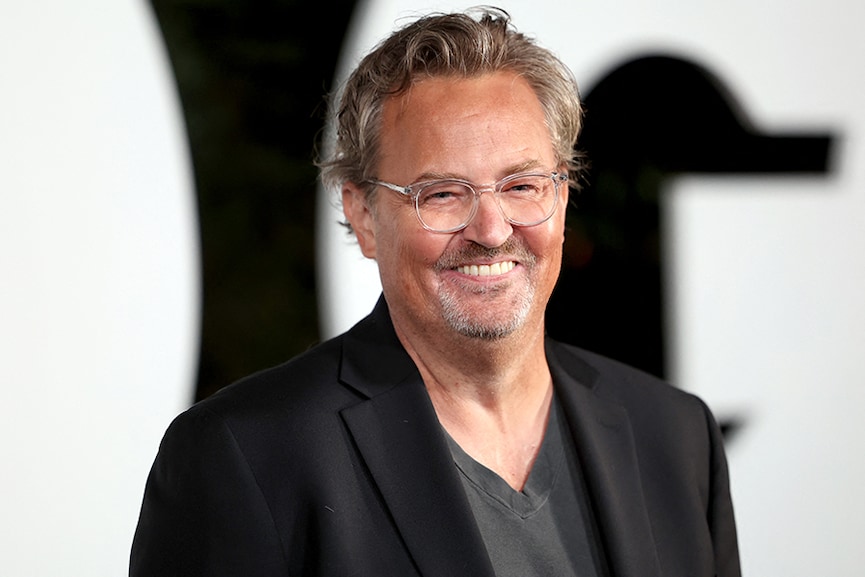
{"type": "Point", "coordinates": [525, 200]}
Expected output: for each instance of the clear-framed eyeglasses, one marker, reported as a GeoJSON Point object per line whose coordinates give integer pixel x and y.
{"type": "Point", "coordinates": [449, 205]}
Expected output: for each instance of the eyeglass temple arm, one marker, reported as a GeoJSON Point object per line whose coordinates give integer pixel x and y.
{"type": "Point", "coordinates": [404, 190]}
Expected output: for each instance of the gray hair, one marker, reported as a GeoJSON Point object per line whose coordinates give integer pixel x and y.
{"type": "Point", "coordinates": [470, 44]}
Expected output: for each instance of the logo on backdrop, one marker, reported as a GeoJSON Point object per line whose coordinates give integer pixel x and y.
{"type": "Point", "coordinates": [647, 121]}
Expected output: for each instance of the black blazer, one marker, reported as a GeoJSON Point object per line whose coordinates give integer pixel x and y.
{"type": "Point", "coordinates": [334, 464]}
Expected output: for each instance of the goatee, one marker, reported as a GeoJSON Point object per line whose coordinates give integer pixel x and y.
{"type": "Point", "coordinates": [493, 324]}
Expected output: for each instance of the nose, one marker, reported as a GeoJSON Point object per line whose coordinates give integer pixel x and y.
{"type": "Point", "coordinates": [488, 227]}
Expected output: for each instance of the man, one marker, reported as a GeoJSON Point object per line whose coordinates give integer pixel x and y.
{"type": "Point", "coordinates": [445, 435]}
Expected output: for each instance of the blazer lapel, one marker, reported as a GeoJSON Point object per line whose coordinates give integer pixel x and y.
{"type": "Point", "coordinates": [605, 443]}
{"type": "Point", "coordinates": [401, 442]}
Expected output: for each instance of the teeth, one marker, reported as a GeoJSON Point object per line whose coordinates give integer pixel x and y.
{"type": "Point", "coordinates": [487, 269]}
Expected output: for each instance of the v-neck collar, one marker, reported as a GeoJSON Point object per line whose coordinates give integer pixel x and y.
{"type": "Point", "coordinates": [542, 477]}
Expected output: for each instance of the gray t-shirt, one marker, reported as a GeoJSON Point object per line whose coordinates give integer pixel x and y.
{"type": "Point", "coordinates": [546, 529]}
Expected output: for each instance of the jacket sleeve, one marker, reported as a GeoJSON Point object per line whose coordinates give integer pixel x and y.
{"type": "Point", "coordinates": [203, 513]}
{"type": "Point", "coordinates": [720, 511]}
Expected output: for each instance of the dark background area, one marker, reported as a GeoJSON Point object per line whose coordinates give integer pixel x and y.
{"type": "Point", "coordinates": [252, 76]}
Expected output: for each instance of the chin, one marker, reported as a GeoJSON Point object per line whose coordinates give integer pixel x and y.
{"type": "Point", "coordinates": [478, 324]}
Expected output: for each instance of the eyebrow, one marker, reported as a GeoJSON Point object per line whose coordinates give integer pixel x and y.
{"type": "Point", "coordinates": [514, 169]}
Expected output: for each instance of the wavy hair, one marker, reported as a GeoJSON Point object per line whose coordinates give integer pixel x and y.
{"type": "Point", "coordinates": [477, 42]}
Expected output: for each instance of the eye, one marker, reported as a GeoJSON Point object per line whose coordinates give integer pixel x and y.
{"type": "Point", "coordinates": [526, 186]}
{"type": "Point", "coordinates": [442, 194]}
{"type": "Point", "coordinates": [439, 194]}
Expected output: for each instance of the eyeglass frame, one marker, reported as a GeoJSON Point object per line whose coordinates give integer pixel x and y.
{"type": "Point", "coordinates": [477, 191]}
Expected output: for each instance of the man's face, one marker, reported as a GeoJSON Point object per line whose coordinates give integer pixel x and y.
{"type": "Point", "coordinates": [491, 278]}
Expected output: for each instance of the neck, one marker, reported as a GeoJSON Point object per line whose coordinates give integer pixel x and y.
{"type": "Point", "coordinates": [487, 371]}
{"type": "Point", "coordinates": [493, 397]}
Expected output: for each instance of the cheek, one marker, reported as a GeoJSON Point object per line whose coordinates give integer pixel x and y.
{"type": "Point", "coordinates": [405, 251]}
{"type": "Point", "coordinates": [416, 255]}
{"type": "Point", "coordinates": [547, 244]}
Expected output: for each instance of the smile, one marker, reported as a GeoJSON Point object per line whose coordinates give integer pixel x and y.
{"type": "Point", "coordinates": [487, 269]}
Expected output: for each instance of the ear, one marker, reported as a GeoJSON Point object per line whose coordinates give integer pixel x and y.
{"type": "Point", "coordinates": [358, 213]}
{"type": "Point", "coordinates": [564, 196]}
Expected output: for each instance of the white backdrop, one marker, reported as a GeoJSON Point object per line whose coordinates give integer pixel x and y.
{"type": "Point", "coordinates": [98, 279]}
{"type": "Point", "coordinates": [766, 273]}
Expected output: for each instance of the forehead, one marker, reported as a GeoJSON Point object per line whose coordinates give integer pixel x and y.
{"type": "Point", "coordinates": [451, 125]}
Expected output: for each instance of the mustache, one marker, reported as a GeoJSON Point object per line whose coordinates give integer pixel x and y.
{"type": "Point", "coordinates": [512, 248]}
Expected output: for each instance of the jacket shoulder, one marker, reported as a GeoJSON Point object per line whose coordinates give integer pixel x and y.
{"type": "Point", "coordinates": [305, 384]}
{"type": "Point", "coordinates": [615, 380]}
